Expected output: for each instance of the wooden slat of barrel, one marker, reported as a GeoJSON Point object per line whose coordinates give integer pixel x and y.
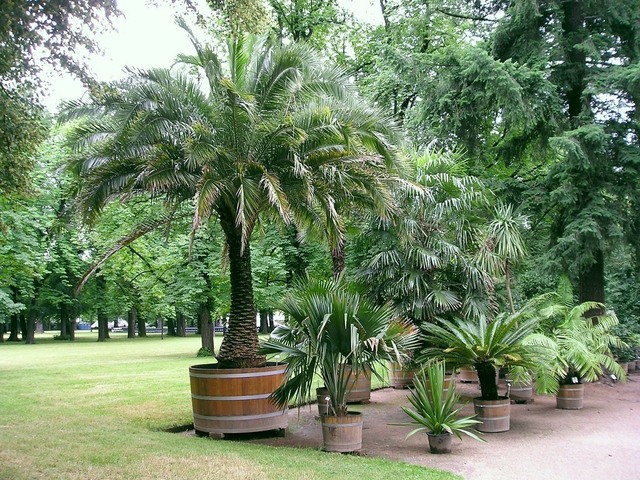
{"type": "Point", "coordinates": [359, 388]}
{"type": "Point", "coordinates": [495, 415]}
{"type": "Point", "coordinates": [569, 397]}
{"type": "Point", "coordinates": [236, 400]}
{"type": "Point", "coordinates": [342, 434]}
{"type": "Point", "coordinates": [400, 377]}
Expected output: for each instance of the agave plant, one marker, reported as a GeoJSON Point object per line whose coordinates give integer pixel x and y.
{"type": "Point", "coordinates": [435, 411]}
{"type": "Point", "coordinates": [580, 346]}
{"type": "Point", "coordinates": [334, 332]}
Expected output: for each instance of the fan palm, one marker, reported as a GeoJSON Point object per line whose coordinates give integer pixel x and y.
{"type": "Point", "coordinates": [425, 261]}
{"type": "Point", "coordinates": [268, 131]}
{"type": "Point", "coordinates": [331, 326]}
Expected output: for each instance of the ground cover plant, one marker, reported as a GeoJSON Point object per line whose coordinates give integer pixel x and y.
{"type": "Point", "coordinates": [101, 411]}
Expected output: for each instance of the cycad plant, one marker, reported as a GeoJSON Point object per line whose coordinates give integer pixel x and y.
{"type": "Point", "coordinates": [485, 344]}
{"type": "Point", "coordinates": [267, 131]}
{"type": "Point", "coordinates": [579, 345]}
{"type": "Point", "coordinates": [334, 332]}
{"type": "Point", "coordinates": [434, 410]}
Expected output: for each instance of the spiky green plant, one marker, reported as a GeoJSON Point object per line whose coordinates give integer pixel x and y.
{"type": "Point", "coordinates": [485, 344]}
{"type": "Point", "coordinates": [434, 410]}
{"type": "Point", "coordinates": [330, 326]}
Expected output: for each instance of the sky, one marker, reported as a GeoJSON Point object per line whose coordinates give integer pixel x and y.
{"type": "Point", "coordinates": [146, 36]}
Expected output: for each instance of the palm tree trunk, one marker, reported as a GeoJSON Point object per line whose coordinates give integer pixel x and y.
{"type": "Point", "coordinates": [507, 284]}
{"type": "Point", "coordinates": [487, 379]}
{"type": "Point", "coordinates": [240, 344]}
{"type": "Point", "coordinates": [337, 258]}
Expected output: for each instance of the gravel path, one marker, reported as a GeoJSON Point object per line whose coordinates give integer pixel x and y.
{"type": "Point", "coordinates": [601, 441]}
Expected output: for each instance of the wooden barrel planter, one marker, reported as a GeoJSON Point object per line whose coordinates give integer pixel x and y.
{"type": "Point", "coordinates": [342, 434]}
{"type": "Point", "coordinates": [400, 377]}
{"type": "Point", "coordinates": [570, 397]}
{"type": "Point", "coordinates": [494, 415]}
{"type": "Point", "coordinates": [322, 394]}
{"type": "Point", "coordinates": [520, 392]}
{"type": "Point", "coordinates": [236, 400]}
{"type": "Point", "coordinates": [468, 375]}
{"type": "Point", "coordinates": [359, 387]}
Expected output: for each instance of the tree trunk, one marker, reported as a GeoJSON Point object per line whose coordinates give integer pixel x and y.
{"type": "Point", "coordinates": [30, 328]}
{"type": "Point", "coordinates": [64, 320]}
{"type": "Point", "coordinates": [14, 328]}
{"type": "Point", "coordinates": [271, 323]}
{"type": "Point", "coordinates": [206, 326]}
{"type": "Point", "coordinates": [264, 321]}
{"type": "Point", "coordinates": [337, 258]}
{"type": "Point", "coordinates": [132, 318]}
{"type": "Point", "coordinates": [72, 329]}
{"type": "Point", "coordinates": [171, 327]}
{"type": "Point", "coordinates": [103, 321]}
{"type": "Point", "coordinates": [591, 284]}
{"type": "Point", "coordinates": [240, 344]}
{"type": "Point", "coordinates": [142, 327]}
{"type": "Point", "coordinates": [487, 378]}
{"type": "Point", "coordinates": [181, 328]}
{"type": "Point", "coordinates": [23, 325]}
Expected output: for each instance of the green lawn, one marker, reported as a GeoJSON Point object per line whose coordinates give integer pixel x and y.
{"type": "Point", "coordinates": [89, 410]}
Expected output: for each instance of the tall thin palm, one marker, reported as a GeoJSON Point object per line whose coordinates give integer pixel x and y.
{"type": "Point", "coordinates": [269, 131]}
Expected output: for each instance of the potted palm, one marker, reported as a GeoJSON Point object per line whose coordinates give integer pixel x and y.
{"type": "Point", "coordinates": [260, 133]}
{"type": "Point", "coordinates": [335, 333]}
{"type": "Point", "coordinates": [487, 345]}
{"type": "Point", "coordinates": [435, 409]}
{"type": "Point", "coordinates": [580, 349]}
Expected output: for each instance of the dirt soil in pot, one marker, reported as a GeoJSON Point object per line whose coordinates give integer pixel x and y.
{"type": "Point", "coordinates": [601, 441]}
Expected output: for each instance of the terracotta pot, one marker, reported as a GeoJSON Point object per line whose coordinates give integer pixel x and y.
{"type": "Point", "coordinates": [440, 443]}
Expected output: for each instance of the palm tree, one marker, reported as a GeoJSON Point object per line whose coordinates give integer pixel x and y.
{"type": "Point", "coordinates": [503, 245]}
{"type": "Point", "coordinates": [579, 343]}
{"type": "Point", "coordinates": [268, 131]}
{"type": "Point", "coordinates": [425, 262]}
{"type": "Point", "coordinates": [333, 331]}
{"type": "Point", "coordinates": [487, 345]}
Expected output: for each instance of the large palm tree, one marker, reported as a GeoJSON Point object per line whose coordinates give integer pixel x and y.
{"type": "Point", "coordinates": [267, 131]}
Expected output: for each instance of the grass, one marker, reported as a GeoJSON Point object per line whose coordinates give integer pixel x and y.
{"type": "Point", "coordinates": [89, 410]}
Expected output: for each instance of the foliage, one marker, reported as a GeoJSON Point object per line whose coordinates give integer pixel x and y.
{"type": "Point", "coordinates": [434, 411]}
{"type": "Point", "coordinates": [579, 343]}
{"type": "Point", "coordinates": [204, 352]}
{"type": "Point", "coordinates": [276, 132]}
{"type": "Point", "coordinates": [485, 344]}
{"type": "Point", "coordinates": [332, 331]}
{"type": "Point", "coordinates": [425, 261]}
